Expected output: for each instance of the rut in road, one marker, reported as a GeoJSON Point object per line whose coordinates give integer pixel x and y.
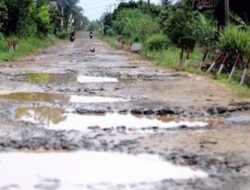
{"type": "Point", "coordinates": [67, 98]}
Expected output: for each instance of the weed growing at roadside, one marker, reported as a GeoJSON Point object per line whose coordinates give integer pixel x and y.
{"type": "Point", "coordinates": [26, 46]}
{"type": "Point", "coordinates": [170, 58]}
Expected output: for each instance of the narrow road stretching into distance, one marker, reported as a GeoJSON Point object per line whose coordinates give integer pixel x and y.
{"type": "Point", "coordinates": [72, 118]}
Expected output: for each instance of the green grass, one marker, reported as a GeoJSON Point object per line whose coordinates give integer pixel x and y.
{"type": "Point", "coordinates": [26, 46]}
{"type": "Point", "coordinates": [111, 41]}
{"type": "Point", "coordinates": [170, 58]}
{"type": "Point", "coordinates": [242, 91]}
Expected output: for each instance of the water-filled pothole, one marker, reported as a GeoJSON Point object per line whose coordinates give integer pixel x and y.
{"type": "Point", "coordinates": [50, 78]}
{"type": "Point", "coordinates": [50, 97]}
{"type": "Point", "coordinates": [64, 78]}
{"type": "Point", "coordinates": [42, 115]}
{"type": "Point", "coordinates": [93, 79]}
{"type": "Point", "coordinates": [64, 171]}
{"type": "Point", "coordinates": [242, 118]}
{"type": "Point", "coordinates": [72, 121]}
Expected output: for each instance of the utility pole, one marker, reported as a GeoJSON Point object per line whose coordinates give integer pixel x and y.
{"type": "Point", "coordinates": [148, 7]}
{"type": "Point", "coordinates": [227, 10]}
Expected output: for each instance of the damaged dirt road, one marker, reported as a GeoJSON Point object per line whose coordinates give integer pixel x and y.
{"type": "Point", "coordinates": [74, 119]}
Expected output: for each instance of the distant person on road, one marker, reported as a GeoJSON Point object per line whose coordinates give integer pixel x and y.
{"type": "Point", "coordinates": [72, 36]}
{"type": "Point", "coordinates": [91, 34]}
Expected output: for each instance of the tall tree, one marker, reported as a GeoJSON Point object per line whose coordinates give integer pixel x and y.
{"type": "Point", "coordinates": [19, 17]}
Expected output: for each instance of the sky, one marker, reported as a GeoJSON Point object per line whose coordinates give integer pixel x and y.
{"type": "Point", "coordinates": [93, 9]}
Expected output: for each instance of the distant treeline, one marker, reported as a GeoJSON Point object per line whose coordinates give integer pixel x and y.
{"type": "Point", "coordinates": [40, 17]}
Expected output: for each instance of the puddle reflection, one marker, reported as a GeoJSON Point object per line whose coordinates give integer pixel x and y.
{"type": "Point", "coordinates": [94, 99]}
{"type": "Point", "coordinates": [43, 115]}
{"type": "Point", "coordinates": [50, 78]}
{"type": "Point", "coordinates": [50, 97]}
{"type": "Point", "coordinates": [64, 78]}
{"type": "Point", "coordinates": [80, 169]}
{"type": "Point", "coordinates": [35, 97]}
{"type": "Point", "coordinates": [71, 121]}
{"type": "Point", "coordinates": [92, 79]}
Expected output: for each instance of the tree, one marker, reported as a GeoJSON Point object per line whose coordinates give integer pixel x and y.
{"type": "Point", "coordinates": [95, 26]}
{"type": "Point", "coordinates": [18, 17]}
{"type": "Point", "coordinates": [3, 14]}
{"type": "Point", "coordinates": [165, 3]}
{"type": "Point", "coordinates": [43, 19]}
{"type": "Point", "coordinates": [107, 22]}
{"type": "Point", "coordinates": [179, 25]}
{"type": "Point", "coordinates": [70, 11]}
{"type": "Point", "coordinates": [135, 24]}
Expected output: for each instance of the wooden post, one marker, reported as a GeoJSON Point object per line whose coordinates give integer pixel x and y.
{"type": "Point", "coordinates": [234, 65]}
{"type": "Point", "coordinates": [188, 53]}
{"type": "Point", "coordinates": [245, 71]}
{"type": "Point", "coordinates": [223, 63]}
{"type": "Point", "coordinates": [204, 58]}
{"type": "Point", "coordinates": [214, 62]}
{"type": "Point", "coordinates": [182, 55]}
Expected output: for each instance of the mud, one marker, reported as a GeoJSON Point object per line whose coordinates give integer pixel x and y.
{"type": "Point", "coordinates": [118, 102]}
{"type": "Point", "coordinates": [56, 119]}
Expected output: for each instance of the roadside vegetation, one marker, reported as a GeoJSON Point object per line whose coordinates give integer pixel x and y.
{"type": "Point", "coordinates": [26, 26]}
{"type": "Point", "coordinates": [185, 37]}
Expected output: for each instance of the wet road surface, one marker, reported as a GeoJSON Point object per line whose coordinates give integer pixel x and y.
{"type": "Point", "coordinates": [73, 119]}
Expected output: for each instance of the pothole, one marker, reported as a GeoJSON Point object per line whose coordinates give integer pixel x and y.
{"type": "Point", "coordinates": [50, 97]}
{"type": "Point", "coordinates": [56, 119]}
{"type": "Point", "coordinates": [92, 79]}
{"type": "Point", "coordinates": [63, 78]}
{"type": "Point", "coordinates": [44, 115]}
{"type": "Point", "coordinates": [242, 118]}
{"type": "Point", "coordinates": [50, 78]}
{"type": "Point", "coordinates": [94, 99]}
{"type": "Point", "coordinates": [80, 170]}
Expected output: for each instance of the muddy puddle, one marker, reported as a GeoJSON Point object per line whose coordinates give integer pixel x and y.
{"type": "Point", "coordinates": [92, 79]}
{"type": "Point", "coordinates": [80, 170]}
{"type": "Point", "coordinates": [241, 118]}
{"type": "Point", "coordinates": [50, 78]}
{"type": "Point", "coordinates": [63, 78]}
{"type": "Point", "coordinates": [60, 98]}
{"type": "Point", "coordinates": [57, 119]}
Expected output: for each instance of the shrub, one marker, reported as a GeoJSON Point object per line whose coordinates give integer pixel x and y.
{"type": "Point", "coordinates": [179, 25]}
{"type": "Point", "coordinates": [110, 32]}
{"type": "Point", "coordinates": [2, 42]}
{"type": "Point", "coordinates": [157, 42]}
{"type": "Point", "coordinates": [235, 38]}
{"type": "Point", "coordinates": [204, 30]}
{"type": "Point", "coordinates": [63, 34]}
{"type": "Point", "coordinates": [43, 20]}
{"type": "Point", "coordinates": [135, 24]}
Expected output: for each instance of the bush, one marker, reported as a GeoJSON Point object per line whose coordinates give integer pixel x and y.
{"type": "Point", "coordinates": [110, 32]}
{"type": "Point", "coordinates": [179, 25]}
{"type": "Point", "coordinates": [204, 30]}
{"type": "Point", "coordinates": [135, 24]}
{"type": "Point", "coordinates": [26, 46]}
{"type": "Point", "coordinates": [43, 20]}
{"type": "Point", "coordinates": [2, 42]}
{"type": "Point", "coordinates": [236, 39]}
{"type": "Point", "coordinates": [63, 34]}
{"type": "Point", "coordinates": [157, 42]}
